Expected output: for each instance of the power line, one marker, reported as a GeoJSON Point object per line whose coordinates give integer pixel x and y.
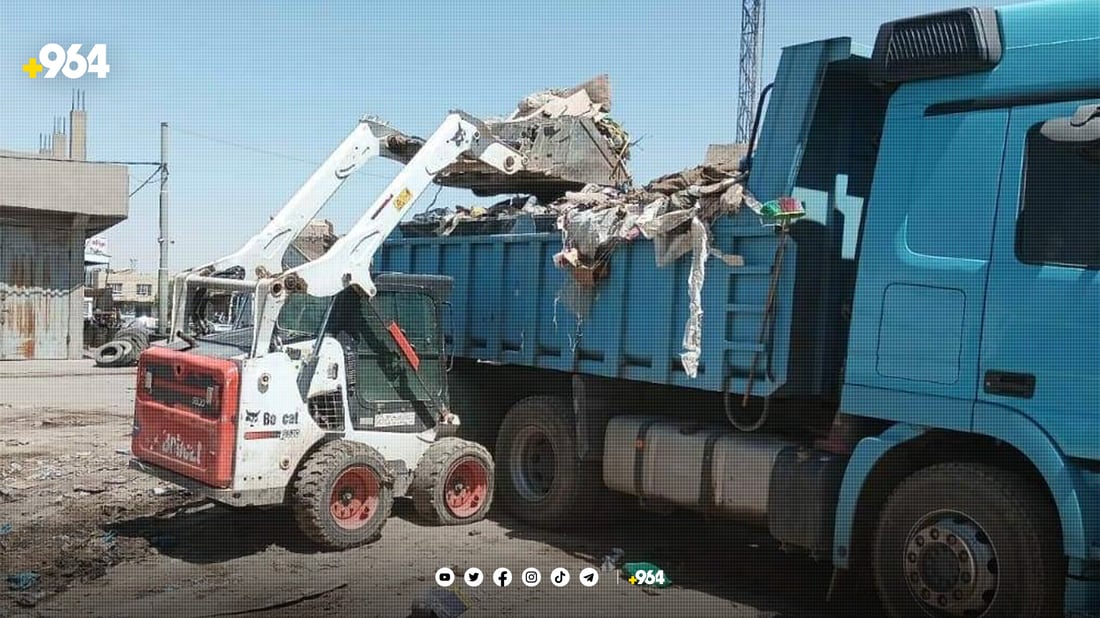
{"type": "Point", "coordinates": [263, 151]}
{"type": "Point", "coordinates": [30, 158]}
{"type": "Point", "coordinates": [142, 185]}
{"type": "Point", "coordinates": [270, 153]}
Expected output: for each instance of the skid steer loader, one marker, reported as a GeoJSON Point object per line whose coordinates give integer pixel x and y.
{"type": "Point", "coordinates": [334, 401]}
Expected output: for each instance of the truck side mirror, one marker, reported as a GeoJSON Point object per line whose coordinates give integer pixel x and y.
{"type": "Point", "coordinates": [1082, 129]}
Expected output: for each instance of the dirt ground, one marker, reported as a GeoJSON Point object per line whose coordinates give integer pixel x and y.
{"type": "Point", "coordinates": [108, 541]}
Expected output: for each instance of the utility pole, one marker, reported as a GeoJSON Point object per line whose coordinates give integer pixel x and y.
{"type": "Point", "coordinates": [162, 269]}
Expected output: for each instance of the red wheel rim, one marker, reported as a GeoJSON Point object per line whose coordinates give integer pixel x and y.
{"type": "Point", "coordinates": [354, 497]}
{"type": "Point", "coordinates": [466, 488]}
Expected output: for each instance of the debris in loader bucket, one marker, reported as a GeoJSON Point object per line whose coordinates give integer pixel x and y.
{"type": "Point", "coordinates": [567, 136]}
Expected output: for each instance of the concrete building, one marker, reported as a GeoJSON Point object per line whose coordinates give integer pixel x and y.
{"type": "Point", "coordinates": [50, 203]}
{"type": "Point", "coordinates": [315, 239]}
{"type": "Point", "coordinates": [134, 293]}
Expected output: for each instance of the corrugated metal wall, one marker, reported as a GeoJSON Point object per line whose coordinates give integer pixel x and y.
{"type": "Point", "coordinates": [39, 278]}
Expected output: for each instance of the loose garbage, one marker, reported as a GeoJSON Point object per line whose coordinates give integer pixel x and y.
{"type": "Point", "coordinates": [24, 580]}
{"type": "Point", "coordinates": [439, 603]}
{"type": "Point", "coordinates": [567, 137]}
{"type": "Point", "coordinates": [674, 211]}
{"type": "Point", "coordinates": [611, 560]}
{"type": "Point", "coordinates": [503, 217]}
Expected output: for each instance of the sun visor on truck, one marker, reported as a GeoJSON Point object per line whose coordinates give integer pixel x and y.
{"type": "Point", "coordinates": [938, 45]}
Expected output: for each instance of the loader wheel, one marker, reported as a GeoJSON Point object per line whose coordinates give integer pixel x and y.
{"type": "Point", "coordinates": [342, 495]}
{"type": "Point", "coordinates": [454, 482]}
{"type": "Point", "coordinates": [969, 540]}
{"type": "Point", "coordinates": [542, 481]}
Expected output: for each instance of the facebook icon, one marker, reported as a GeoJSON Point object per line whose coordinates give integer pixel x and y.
{"type": "Point", "coordinates": [502, 577]}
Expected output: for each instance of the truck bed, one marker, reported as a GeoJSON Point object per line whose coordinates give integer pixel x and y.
{"type": "Point", "coordinates": [512, 305]}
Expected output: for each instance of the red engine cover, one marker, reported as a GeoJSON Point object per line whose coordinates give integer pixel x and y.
{"type": "Point", "coordinates": [185, 414]}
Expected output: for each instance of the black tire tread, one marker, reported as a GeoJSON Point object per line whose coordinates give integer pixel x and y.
{"type": "Point", "coordinates": [123, 359]}
{"type": "Point", "coordinates": [430, 473]}
{"type": "Point", "coordinates": [309, 491]}
{"type": "Point", "coordinates": [1018, 494]}
{"type": "Point", "coordinates": [139, 337]}
{"type": "Point", "coordinates": [579, 505]}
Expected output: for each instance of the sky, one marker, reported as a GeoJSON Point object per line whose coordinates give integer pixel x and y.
{"type": "Point", "coordinates": [257, 93]}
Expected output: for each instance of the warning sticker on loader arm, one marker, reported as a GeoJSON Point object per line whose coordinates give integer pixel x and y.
{"type": "Point", "coordinates": [403, 198]}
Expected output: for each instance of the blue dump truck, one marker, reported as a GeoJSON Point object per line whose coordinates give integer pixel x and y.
{"type": "Point", "coordinates": [925, 403]}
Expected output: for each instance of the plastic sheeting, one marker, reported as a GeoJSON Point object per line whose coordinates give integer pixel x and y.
{"type": "Point", "coordinates": [674, 211]}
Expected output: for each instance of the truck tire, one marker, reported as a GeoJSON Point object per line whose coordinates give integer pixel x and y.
{"type": "Point", "coordinates": [342, 495]}
{"type": "Point", "coordinates": [113, 353]}
{"type": "Point", "coordinates": [541, 479]}
{"type": "Point", "coordinates": [453, 483]}
{"type": "Point", "coordinates": [138, 337]}
{"type": "Point", "coordinates": [968, 540]}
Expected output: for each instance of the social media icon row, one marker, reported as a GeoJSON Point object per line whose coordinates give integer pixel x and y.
{"type": "Point", "coordinates": [530, 577]}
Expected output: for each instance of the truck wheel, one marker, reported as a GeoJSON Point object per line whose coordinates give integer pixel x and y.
{"type": "Point", "coordinates": [453, 482]}
{"type": "Point", "coordinates": [968, 540]}
{"type": "Point", "coordinates": [342, 495]}
{"type": "Point", "coordinates": [541, 479]}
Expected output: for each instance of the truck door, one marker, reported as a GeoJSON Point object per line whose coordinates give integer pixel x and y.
{"type": "Point", "coordinates": [1040, 353]}
{"type": "Point", "coordinates": [924, 258]}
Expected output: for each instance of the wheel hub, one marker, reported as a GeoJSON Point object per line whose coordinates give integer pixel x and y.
{"type": "Point", "coordinates": [466, 488]}
{"type": "Point", "coordinates": [354, 497]}
{"type": "Point", "coordinates": [950, 566]}
{"type": "Point", "coordinates": [532, 464]}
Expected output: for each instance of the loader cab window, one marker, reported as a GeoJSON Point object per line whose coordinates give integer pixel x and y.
{"type": "Point", "coordinates": [1059, 218]}
{"type": "Point", "coordinates": [303, 314]}
{"type": "Point", "coordinates": [390, 387]}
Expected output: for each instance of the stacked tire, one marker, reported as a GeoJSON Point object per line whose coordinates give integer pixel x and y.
{"type": "Point", "coordinates": [124, 349]}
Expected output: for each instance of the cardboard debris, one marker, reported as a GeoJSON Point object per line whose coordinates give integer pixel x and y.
{"type": "Point", "coordinates": [675, 211]}
{"type": "Point", "coordinates": [567, 136]}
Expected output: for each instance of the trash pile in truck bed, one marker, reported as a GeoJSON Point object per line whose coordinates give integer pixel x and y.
{"type": "Point", "coordinates": [674, 211]}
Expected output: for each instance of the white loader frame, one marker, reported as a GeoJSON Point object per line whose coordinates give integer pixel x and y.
{"type": "Point", "coordinates": [348, 261]}
{"type": "Point", "coordinates": [270, 375]}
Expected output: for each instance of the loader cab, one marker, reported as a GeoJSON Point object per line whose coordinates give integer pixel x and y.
{"type": "Point", "coordinates": [393, 344]}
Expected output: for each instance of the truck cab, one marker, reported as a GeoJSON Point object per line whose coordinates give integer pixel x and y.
{"type": "Point", "coordinates": [954, 173]}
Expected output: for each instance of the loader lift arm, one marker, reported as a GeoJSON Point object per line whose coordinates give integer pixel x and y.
{"type": "Point", "coordinates": [261, 256]}
{"type": "Point", "coordinates": [348, 261]}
